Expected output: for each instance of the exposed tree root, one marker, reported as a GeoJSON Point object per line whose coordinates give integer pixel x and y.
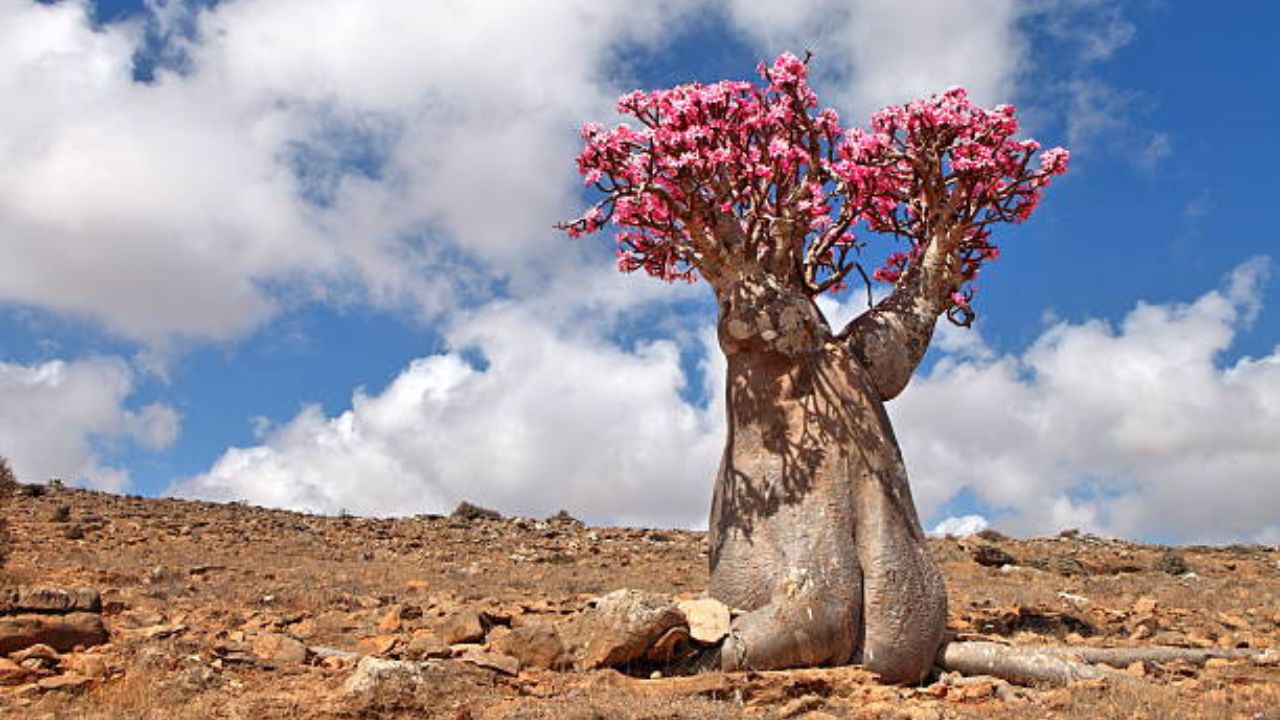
{"type": "Point", "coordinates": [1021, 666]}
{"type": "Point", "coordinates": [1063, 664]}
{"type": "Point", "coordinates": [1122, 657]}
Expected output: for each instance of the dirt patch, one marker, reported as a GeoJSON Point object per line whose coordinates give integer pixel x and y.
{"type": "Point", "coordinates": [226, 610]}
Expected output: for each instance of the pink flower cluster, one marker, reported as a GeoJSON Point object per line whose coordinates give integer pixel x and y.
{"type": "Point", "coordinates": [944, 169]}
{"type": "Point", "coordinates": [709, 165]}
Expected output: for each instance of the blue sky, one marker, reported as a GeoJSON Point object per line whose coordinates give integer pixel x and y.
{"type": "Point", "coordinates": [300, 254]}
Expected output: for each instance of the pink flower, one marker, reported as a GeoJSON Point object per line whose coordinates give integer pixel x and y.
{"type": "Point", "coordinates": [741, 148]}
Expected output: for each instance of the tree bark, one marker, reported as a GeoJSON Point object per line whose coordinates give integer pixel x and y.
{"type": "Point", "coordinates": [813, 530]}
{"type": "Point", "coordinates": [1064, 664]}
{"type": "Point", "coordinates": [1021, 666]}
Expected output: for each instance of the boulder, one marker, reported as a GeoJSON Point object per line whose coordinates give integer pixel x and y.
{"type": "Point", "coordinates": [708, 619]}
{"type": "Point", "coordinates": [991, 556]}
{"type": "Point", "coordinates": [535, 645]}
{"type": "Point", "coordinates": [379, 645]}
{"type": "Point", "coordinates": [466, 626]}
{"type": "Point", "coordinates": [618, 628]}
{"type": "Point", "coordinates": [279, 649]}
{"type": "Point", "coordinates": [497, 662]}
{"type": "Point", "coordinates": [426, 645]}
{"type": "Point", "coordinates": [374, 673]}
{"type": "Point", "coordinates": [49, 600]}
{"type": "Point", "coordinates": [60, 632]}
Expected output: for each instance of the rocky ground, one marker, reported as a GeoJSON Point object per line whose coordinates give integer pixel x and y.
{"type": "Point", "coordinates": [175, 609]}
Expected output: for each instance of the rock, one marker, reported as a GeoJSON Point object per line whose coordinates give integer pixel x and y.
{"type": "Point", "coordinates": [334, 664]}
{"type": "Point", "coordinates": [708, 619]}
{"type": "Point", "coordinates": [11, 673]}
{"type": "Point", "coordinates": [1145, 605]}
{"type": "Point", "coordinates": [372, 673]}
{"type": "Point", "coordinates": [279, 649]}
{"type": "Point", "coordinates": [425, 646]}
{"type": "Point", "coordinates": [504, 664]}
{"type": "Point", "coordinates": [49, 600]}
{"type": "Point", "coordinates": [467, 511]}
{"type": "Point", "coordinates": [618, 628]}
{"type": "Point", "coordinates": [396, 615]}
{"type": "Point", "coordinates": [1234, 622]}
{"type": "Point", "coordinates": [379, 645]}
{"type": "Point", "coordinates": [390, 621]}
{"type": "Point", "coordinates": [70, 682]}
{"type": "Point", "coordinates": [334, 622]}
{"type": "Point", "coordinates": [304, 629]}
{"type": "Point", "coordinates": [535, 645]}
{"type": "Point", "coordinates": [991, 556]}
{"type": "Point", "coordinates": [466, 626]}
{"type": "Point", "coordinates": [36, 652]}
{"type": "Point", "coordinates": [324, 651]}
{"type": "Point", "coordinates": [1172, 563]}
{"type": "Point", "coordinates": [1061, 564]}
{"type": "Point", "coordinates": [90, 666]}
{"type": "Point", "coordinates": [60, 632]}
{"type": "Point", "coordinates": [671, 647]}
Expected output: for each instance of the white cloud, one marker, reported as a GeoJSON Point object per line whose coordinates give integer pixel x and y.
{"type": "Point", "coordinates": [552, 417]}
{"type": "Point", "coordinates": [1157, 149]}
{"type": "Point", "coordinates": [154, 426]}
{"type": "Point", "coordinates": [396, 152]}
{"type": "Point", "coordinates": [1040, 53]}
{"type": "Point", "coordinates": [874, 52]}
{"type": "Point", "coordinates": [1094, 30]}
{"type": "Point", "coordinates": [1131, 430]}
{"type": "Point", "coordinates": [960, 526]}
{"type": "Point", "coordinates": [1137, 430]}
{"type": "Point", "coordinates": [51, 414]}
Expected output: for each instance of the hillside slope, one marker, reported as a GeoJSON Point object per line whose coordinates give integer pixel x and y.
{"type": "Point", "coordinates": [230, 611]}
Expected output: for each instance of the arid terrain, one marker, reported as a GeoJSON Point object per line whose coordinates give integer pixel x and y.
{"type": "Point", "coordinates": [231, 611]}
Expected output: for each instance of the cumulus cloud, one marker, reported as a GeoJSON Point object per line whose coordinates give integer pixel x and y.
{"type": "Point", "coordinates": [53, 413]}
{"type": "Point", "coordinates": [960, 526]}
{"type": "Point", "coordinates": [1139, 430]}
{"type": "Point", "coordinates": [875, 52]}
{"type": "Point", "coordinates": [1136, 430]}
{"type": "Point", "coordinates": [396, 152]}
{"type": "Point", "coordinates": [519, 415]}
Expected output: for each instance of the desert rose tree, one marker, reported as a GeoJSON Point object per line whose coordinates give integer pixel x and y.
{"type": "Point", "coordinates": [756, 190]}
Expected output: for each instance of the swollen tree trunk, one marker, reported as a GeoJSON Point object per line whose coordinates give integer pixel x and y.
{"type": "Point", "coordinates": [813, 530]}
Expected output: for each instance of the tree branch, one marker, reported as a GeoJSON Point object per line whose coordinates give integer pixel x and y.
{"type": "Point", "coordinates": [890, 339]}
